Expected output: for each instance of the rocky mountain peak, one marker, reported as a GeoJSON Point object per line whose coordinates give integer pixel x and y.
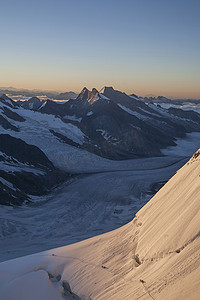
{"type": "Point", "coordinates": [106, 89]}
{"type": "Point", "coordinates": [88, 96]}
{"type": "Point", "coordinates": [34, 100]}
{"type": "Point", "coordinates": [83, 94]}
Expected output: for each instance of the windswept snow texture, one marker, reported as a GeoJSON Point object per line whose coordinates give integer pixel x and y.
{"type": "Point", "coordinates": [83, 207]}
{"type": "Point", "coordinates": [155, 256]}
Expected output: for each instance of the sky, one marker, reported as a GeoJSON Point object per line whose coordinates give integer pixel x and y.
{"type": "Point", "coordinates": [143, 47]}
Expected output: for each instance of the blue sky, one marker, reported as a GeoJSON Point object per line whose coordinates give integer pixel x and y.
{"type": "Point", "coordinates": [146, 46]}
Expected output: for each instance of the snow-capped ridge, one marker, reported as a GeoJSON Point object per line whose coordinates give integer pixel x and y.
{"type": "Point", "coordinates": [133, 96]}
{"type": "Point", "coordinates": [43, 105]}
{"type": "Point", "coordinates": [8, 101]}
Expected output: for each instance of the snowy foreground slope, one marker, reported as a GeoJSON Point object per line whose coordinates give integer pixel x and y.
{"type": "Point", "coordinates": [155, 256]}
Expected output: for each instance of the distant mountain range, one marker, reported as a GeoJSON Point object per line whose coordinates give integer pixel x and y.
{"type": "Point", "coordinates": [116, 125]}
{"type": "Point", "coordinates": [72, 95]}
{"type": "Point", "coordinates": [162, 99]}
{"type": "Point", "coordinates": [36, 136]}
{"type": "Point", "coordinates": [34, 93]}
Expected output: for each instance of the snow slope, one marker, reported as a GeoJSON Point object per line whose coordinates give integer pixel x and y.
{"type": "Point", "coordinates": [155, 256]}
{"type": "Point", "coordinates": [80, 208]}
{"type": "Point", "coordinates": [35, 131]}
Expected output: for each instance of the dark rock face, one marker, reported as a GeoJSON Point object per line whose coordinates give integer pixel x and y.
{"type": "Point", "coordinates": [33, 103]}
{"type": "Point", "coordinates": [12, 115]}
{"type": "Point", "coordinates": [7, 106]}
{"type": "Point", "coordinates": [8, 101]}
{"type": "Point", "coordinates": [7, 125]}
{"type": "Point", "coordinates": [64, 139]}
{"type": "Point", "coordinates": [25, 184]}
{"type": "Point", "coordinates": [11, 196]}
{"type": "Point", "coordinates": [53, 108]}
{"type": "Point", "coordinates": [121, 135]}
{"type": "Point", "coordinates": [16, 186]}
{"type": "Point", "coordinates": [185, 114]}
{"type": "Point", "coordinates": [23, 152]}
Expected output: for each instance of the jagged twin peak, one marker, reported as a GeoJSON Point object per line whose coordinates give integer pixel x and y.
{"type": "Point", "coordinates": [92, 96]}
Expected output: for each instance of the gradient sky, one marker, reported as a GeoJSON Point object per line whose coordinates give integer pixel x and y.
{"type": "Point", "coordinates": [143, 46]}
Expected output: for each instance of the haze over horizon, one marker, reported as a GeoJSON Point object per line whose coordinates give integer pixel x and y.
{"type": "Point", "coordinates": [42, 92]}
{"type": "Point", "coordinates": [145, 47]}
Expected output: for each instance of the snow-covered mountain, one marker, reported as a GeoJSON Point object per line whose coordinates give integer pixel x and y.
{"type": "Point", "coordinates": [66, 138]}
{"type": "Point", "coordinates": [155, 256]}
{"type": "Point", "coordinates": [33, 103]}
{"type": "Point", "coordinates": [24, 169]}
{"type": "Point", "coordinates": [119, 126]}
